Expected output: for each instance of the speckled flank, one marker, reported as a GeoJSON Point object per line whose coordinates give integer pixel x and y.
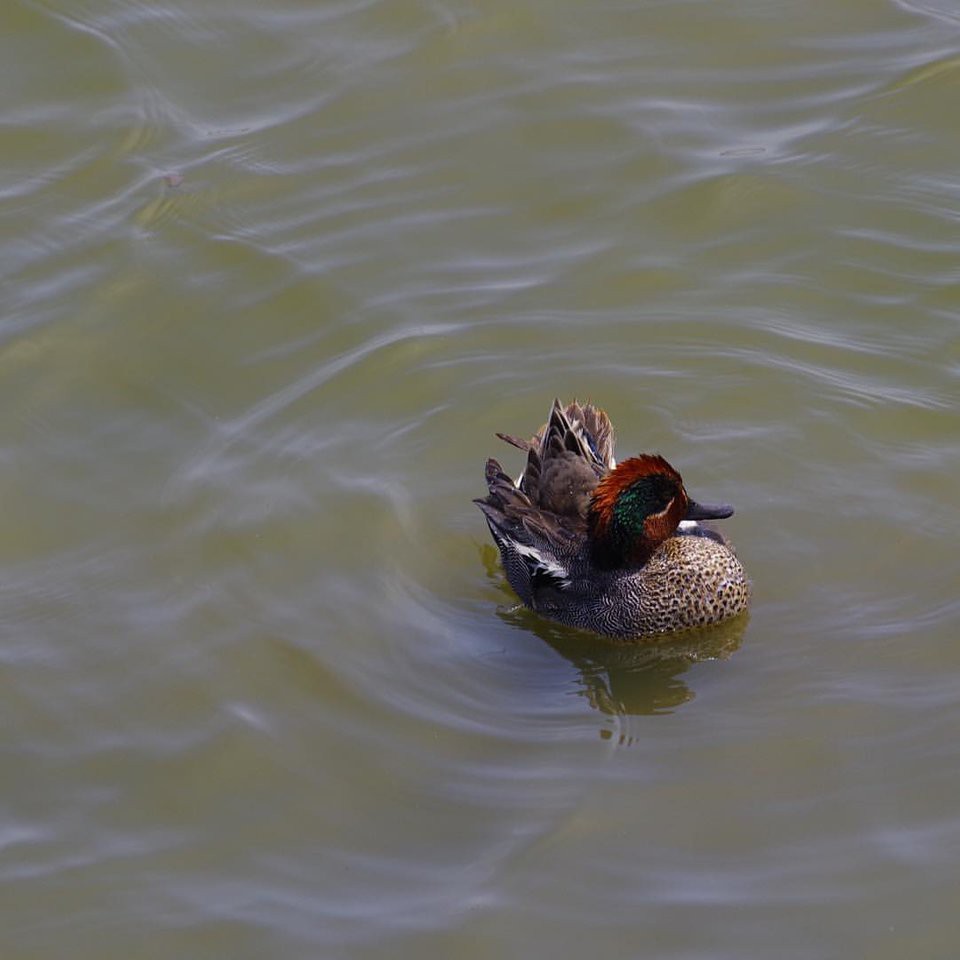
{"type": "Point", "coordinates": [690, 581]}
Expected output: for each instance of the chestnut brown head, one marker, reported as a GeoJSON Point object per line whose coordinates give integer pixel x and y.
{"type": "Point", "coordinates": [636, 507]}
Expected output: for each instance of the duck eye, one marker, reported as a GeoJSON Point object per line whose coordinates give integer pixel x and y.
{"type": "Point", "coordinates": [666, 506]}
{"type": "Point", "coordinates": [661, 492]}
{"type": "Point", "coordinates": [649, 496]}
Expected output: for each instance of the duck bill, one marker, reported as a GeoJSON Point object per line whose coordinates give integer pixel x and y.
{"type": "Point", "coordinates": [708, 511]}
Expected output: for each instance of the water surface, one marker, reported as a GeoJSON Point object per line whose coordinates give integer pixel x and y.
{"type": "Point", "coordinates": [272, 277]}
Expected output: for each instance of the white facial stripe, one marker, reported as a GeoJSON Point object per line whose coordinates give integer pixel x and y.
{"type": "Point", "coordinates": [664, 511]}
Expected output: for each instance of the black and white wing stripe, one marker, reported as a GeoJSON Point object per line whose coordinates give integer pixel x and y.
{"type": "Point", "coordinates": [544, 573]}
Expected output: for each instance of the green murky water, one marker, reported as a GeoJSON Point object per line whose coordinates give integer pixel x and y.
{"type": "Point", "coordinates": [272, 276]}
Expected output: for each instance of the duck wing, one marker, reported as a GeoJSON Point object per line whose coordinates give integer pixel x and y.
{"type": "Point", "coordinates": [567, 458]}
{"type": "Point", "coordinates": [535, 545]}
{"type": "Point", "coordinates": [539, 522]}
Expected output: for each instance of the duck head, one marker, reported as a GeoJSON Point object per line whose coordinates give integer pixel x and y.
{"type": "Point", "coordinates": [636, 507]}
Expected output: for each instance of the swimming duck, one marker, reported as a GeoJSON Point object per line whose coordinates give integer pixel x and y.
{"type": "Point", "coordinates": [619, 549]}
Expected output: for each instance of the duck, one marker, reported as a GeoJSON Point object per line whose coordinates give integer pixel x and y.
{"type": "Point", "coordinates": [618, 549]}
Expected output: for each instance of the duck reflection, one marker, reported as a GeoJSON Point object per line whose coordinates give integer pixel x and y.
{"type": "Point", "coordinates": [643, 678]}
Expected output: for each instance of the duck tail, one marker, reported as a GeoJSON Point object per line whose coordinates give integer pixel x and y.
{"type": "Point", "coordinates": [582, 429]}
{"type": "Point", "coordinates": [503, 498]}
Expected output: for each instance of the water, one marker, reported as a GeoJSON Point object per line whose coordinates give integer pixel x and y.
{"type": "Point", "coordinates": [272, 277]}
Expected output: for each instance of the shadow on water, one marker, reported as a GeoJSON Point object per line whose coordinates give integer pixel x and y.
{"type": "Point", "coordinates": [623, 678]}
